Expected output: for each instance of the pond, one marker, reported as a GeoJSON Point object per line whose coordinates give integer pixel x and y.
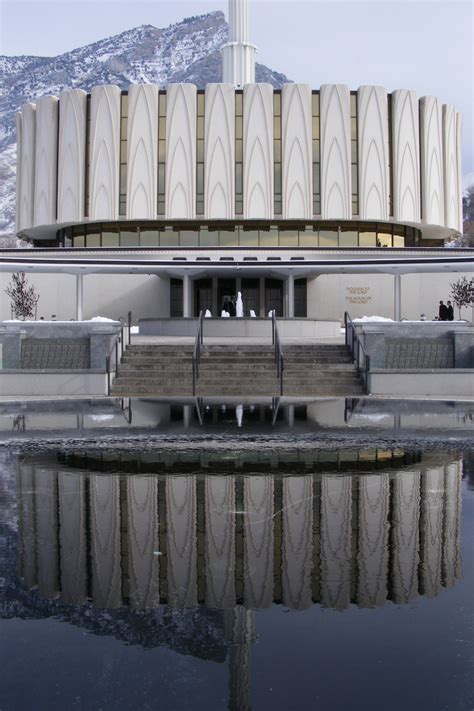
{"type": "Point", "coordinates": [217, 570]}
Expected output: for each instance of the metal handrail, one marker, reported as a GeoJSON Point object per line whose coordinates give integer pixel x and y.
{"type": "Point", "coordinates": [358, 352]}
{"type": "Point", "coordinates": [129, 323]}
{"type": "Point", "coordinates": [197, 350]}
{"type": "Point", "coordinates": [279, 358]}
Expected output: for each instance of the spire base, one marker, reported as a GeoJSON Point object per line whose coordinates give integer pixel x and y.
{"type": "Point", "coordinates": [238, 63]}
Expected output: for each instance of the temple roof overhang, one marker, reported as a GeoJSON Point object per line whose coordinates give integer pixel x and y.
{"type": "Point", "coordinates": [248, 262]}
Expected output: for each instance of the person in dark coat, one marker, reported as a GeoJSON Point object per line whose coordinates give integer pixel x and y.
{"type": "Point", "coordinates": [450, 312]}
{"type": "Point", "coordinates": [232, 308]}
{"type": "Point", "coordinates": [443, 311]}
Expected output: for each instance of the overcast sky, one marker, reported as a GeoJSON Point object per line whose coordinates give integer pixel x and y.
{"type": "Point", "coordinates": [424, 46]}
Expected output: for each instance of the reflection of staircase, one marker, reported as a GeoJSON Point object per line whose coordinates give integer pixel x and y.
{"type": "Point", "coordinates": [240, 370]}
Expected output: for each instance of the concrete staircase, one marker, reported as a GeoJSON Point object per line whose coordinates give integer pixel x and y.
{"type": "Point", "coordinates": [240, 370]}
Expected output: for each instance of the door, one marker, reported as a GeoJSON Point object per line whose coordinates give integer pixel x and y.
{"type": "Point", "coordinates": [274, 296]}
{"type": "Point", "coordinates": [202, 295]}
{"type": "Point", "coordinates": [251, 296]}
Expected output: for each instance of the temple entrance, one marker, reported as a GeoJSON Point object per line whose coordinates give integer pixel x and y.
{"type": "Point", "coordinates": [202, 295]}
{"type": "Point", "coordinates": [274, 296]}
{"type": "Point", "coordinates": [259, 295]}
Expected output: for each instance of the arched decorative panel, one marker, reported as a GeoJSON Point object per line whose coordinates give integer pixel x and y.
{"type": "Point", "coordinates": [258, 541]}
{"type": "Point", "coordinates": [219, 500]}
{"type": "Point", "coordinates": [459, 169]}
{"type": "Point", "coordinates": [219, 157]}
{"type": "Point", "coordinates": [451, 196]}
{"type": "Point", "coordinates": [181, 540]}
{"type": "Point", "coordinates": [46, 511]}
{"type": "Point", "coordinates": [297, 172]}
{"type": "Point", "coordinates": [72, 537]}
{"type": "Point", "coordinates": [405, 533]}
{"type": "Point", "coordinates": [142, 151]}
{"type": "Point", "coordinates": [27, 170]}
{"type": "Point", "coordinates": [297, 553]}
{"type": "Point", "coordinates": [372, 124]}
{"type": "Point", "coordinates": [105, 541]}
{"type": "Point", "coordinates": [431, 522]}
{"type": "Point", "coordinates": [336, 544]}
{"type": "Point", "coordinates": [72, 154]}
{"type": "Point", "coordinates": [374, 495]}
{"type": "Point", "coordinates": [46, 160]}
{"type": "Point", "coordinates": [406, 156]}
{"type": "Point", "coordinates": [335, 152]}
{"type": "Point", "coordinates": [452, 524]}
{"type": "Point", "coordinates": [143, 541]}
{"type": "Point", "coordinates": [104, 153]}
{"type": "Point", "coordinates": [181, 152]}
{"type": "Point", "coordinates": [432, 185]}
{"type": "Point", "coordinates": [19, 141]}
{"type": "Point", "coordinates": [258, 151]}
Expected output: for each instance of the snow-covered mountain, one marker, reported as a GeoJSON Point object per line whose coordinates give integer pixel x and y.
{"type": "Point", "coordinates": [185, 52]}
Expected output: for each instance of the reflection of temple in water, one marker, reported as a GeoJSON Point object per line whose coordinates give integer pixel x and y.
{"type": "Point", "coordinates": [239, 540]}
{"type": "Point", "coordinates": [238, 543]}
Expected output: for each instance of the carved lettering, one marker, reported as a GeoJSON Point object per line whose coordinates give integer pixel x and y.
{"type": "Point", "coordinates": [358, 294]}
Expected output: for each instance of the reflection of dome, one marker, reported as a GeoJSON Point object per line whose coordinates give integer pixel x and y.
{"type": "Point", "coordinates": [231, 540]}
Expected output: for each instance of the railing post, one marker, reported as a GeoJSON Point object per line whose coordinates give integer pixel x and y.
{"type": "Point", "coordinates": [129, 327]}
{"type": "Point", "coordinates": [116, 358]}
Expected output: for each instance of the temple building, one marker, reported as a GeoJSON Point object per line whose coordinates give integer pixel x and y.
{"type": "Point", "coordinates": [168, 201]}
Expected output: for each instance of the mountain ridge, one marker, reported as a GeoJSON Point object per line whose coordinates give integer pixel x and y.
{"type": "Point", "coordinates": [186, 51]}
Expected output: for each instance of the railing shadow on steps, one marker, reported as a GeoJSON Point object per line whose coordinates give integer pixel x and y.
{"type": "Point", "coordinates": [359, 355]}
{"type": "Point", "coordinates": [120, 342]}
{"type": "Point", "coordinates": [197, 350]}
{"type": "Point", "coordinates": [279, 358]}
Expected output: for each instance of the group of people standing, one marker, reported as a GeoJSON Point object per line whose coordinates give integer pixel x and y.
{"type": "Point", "coordinates": [230, 305]}
{"type": "Point", "coordinates": [446, 311]}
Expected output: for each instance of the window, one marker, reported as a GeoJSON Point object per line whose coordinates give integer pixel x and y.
{"type": "Point", "coordinates": [176, 298]}
{"type": "Point", "coordinates": [239, 150]}
{"type": "Point", "coordinates": [161, 152]}
{"type": "Point", "coordinates": [123, 154]}
{"type": "Point", "coordinates": [200, 153]}
{"type": "Point", "coordinates": [316, 154]}
{"type": "Point", "coordinates": [277, 206]}
{"type": "Point", "coordinates": [354, 155]}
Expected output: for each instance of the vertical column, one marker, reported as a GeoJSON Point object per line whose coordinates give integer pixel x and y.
{"type": "Point", "coordinates": [72, 537]}
{"type": "Point", "coordinates": [406, 156]}
{"type": "Point", "coordinates": [181, 543]}
{"type": "Point", "coordinates": [258, 151]}
{"type": "Point", "coordinates": [46, 160]}
{"type": "Point", "coordinates": [373, 153]}
{"type": "Point", "coordinates": [27, 526]}
{"type": "Point", "coordinates": [104, 153]}
{"type": "Point", "coordinates": [27, 172]}
{"type": "Point", "coordinates": [432, 495]}
{"type": "Point", "coordinates": [79, 297]}
{"type": "Point", "coordinates": [219, 152]}
{"type": "Point", "coordinates": [297, 551]}
{"type": "Point", "coordinates": [219, 504]}
{"type": "Point", "coordinates": [142, 151]}
{"type": "Point", "coordinates": [452, 524]}
{"type": "Point", "coordinates": [181, 152]}
{"type": "Point", "coordinates": [19, 141]}
{"type": "Point", "coordinates": [335, 118]}
{"type": "Point", "coordinates": [405, 535]}
{"type": "Point", "coordinates": [432, 182]}
{"type": "Point", "coordinates": [397, 296]}
{"type": "Point", "coordinates": [46, 502]}
{"type": "Point", "coordinates": [105, 541]}
{"type": "Point", "coordinates": [291, 296]}
{"type": "Point", "coordinates": [142, 500]}
{"type": "Point", "coordinates": [373, 540]}
{"type": "Point", "coordinates": [258, 541]}
{"type": "Point", "coordinates": [336, 551]}
{"type": "Point", "coordinates": [186, 296]}
{"type": "Point", "coordinates": [72, 155]}
{"type": "Point", "coordinates": [261, 296]}
{"type": "Point", "coordinates": [297, 185]}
